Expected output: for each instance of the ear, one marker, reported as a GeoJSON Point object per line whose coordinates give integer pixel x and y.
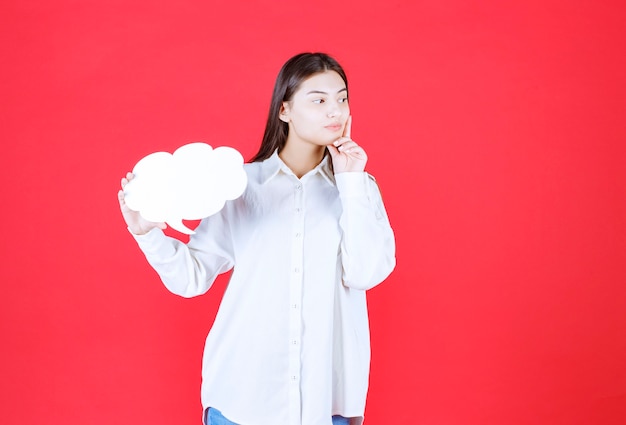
{"type": "Point", "coordinates": [284, 112]}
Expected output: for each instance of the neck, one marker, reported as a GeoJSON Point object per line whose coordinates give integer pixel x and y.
{"type": "Point", "coordinates": [301, 158]}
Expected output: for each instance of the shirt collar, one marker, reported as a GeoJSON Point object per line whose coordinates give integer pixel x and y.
{"type": "Point", "coordinates": [326, 171]}
{"type": "Point", "coordinates": [273, 165]}
{"type": "Point", "coordinates": [270, 167]}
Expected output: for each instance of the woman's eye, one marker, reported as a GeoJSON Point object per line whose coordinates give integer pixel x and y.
{"type": "Point", "coordinates": [318, 101]}
{"type": "Point", "coordinates": [343, 100]}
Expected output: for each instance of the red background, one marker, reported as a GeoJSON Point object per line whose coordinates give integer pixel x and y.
{"type": "Point", "coordinates": [496, 132]}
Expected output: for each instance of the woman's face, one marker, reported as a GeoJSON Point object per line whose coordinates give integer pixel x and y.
{"type": "Point", "coordinates": [318, 110]}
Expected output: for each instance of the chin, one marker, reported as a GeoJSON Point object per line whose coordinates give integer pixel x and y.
{"type": "Point", "coordinates": [326, 141]}
{"type": "Point", "coordinates": [321, 143]}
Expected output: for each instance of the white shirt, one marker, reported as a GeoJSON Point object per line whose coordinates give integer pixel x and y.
{"type": "Point", "coordinates": [290, 342]}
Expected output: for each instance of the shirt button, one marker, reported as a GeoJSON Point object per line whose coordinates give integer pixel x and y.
{"type": "Point", "coordinates": [294, 378]}
{"type": "Point", "coordinates": [298, 210]}
{"type": "Point", "coordinates": [298, 235]}
{"type": "Point", "coordinates": [298, 187]}
{"type": "Point", "coordinates": [296, 270]}
{"type": "Point", "coordinates": [294, 342]}
{"type": "Point", "coordinates": [294, 306]}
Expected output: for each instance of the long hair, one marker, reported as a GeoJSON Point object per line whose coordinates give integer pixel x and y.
{"type": "Point", "coordinates": [291, 75]}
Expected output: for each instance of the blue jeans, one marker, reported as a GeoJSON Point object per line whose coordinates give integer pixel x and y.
{"type": "Point", "coordinates": [214, 417]}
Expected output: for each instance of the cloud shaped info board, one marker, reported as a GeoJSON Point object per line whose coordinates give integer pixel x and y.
{"type": "Point", "coordinates": [192, 183]}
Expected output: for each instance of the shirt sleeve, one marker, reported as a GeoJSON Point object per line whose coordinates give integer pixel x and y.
{"type": "Point", "coordinates": [190, 269]}
{"type": "Point", "coordinates": [367, 243]}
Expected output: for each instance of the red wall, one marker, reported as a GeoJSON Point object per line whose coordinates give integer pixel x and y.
{"type": "Point", "coordinates": [496, 132]}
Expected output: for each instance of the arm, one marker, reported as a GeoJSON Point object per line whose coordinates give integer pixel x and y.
{"type": "Point", "coordinates": [189, 269]}
{"type": "Point", "coordinates": [185, 269]}
{"type": "Point", "coordinates": [368, 243]}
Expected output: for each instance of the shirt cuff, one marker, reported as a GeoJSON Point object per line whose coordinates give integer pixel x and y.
{"type": "Point", "coordinates": [352, 184]}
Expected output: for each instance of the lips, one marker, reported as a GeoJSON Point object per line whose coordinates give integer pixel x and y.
{"type": "Point", "coordinates": [334, 127]}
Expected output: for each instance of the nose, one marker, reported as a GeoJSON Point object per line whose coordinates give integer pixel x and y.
{"type": "Point", "coordinates": [333, 110]}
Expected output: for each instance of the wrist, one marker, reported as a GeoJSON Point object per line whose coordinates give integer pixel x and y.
{"type": "Point", "coordinates": [138, 231]}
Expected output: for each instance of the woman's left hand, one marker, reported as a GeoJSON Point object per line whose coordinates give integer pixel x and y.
{"type": "Point", "coordinates": [346, 154]}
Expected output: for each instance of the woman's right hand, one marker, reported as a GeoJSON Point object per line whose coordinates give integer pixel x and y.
{"type": "Point", "coordinates": [135, 222]}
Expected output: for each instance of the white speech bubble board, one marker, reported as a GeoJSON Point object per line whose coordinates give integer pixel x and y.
{"type": "Point", "coordinates": [192, 183]}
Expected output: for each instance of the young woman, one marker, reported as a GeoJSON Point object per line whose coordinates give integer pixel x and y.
{"type": "Point", "coordinates": [290, 342]}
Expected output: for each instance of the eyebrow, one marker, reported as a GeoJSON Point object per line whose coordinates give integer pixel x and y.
{"type": "Point", "coordinates": [323, 92]}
